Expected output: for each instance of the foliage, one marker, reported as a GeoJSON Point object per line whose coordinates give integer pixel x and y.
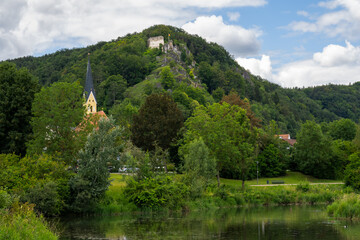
{"type": "Point", "coordinates": [227, 133]}
{"type": "Point", "coordinates": [102, 149]}
{"type": "Point", "coordinates": [313, 152]}
{"type": "Point", "coordinates": [46, 198]}
{"type": "Point", "coordinates": [5, 199]}
{"type": "Point", "coordinates": [303, 187]}
{"type": "Point", "coordinates": [157, 122]}
{"type": "Point", "coordinates": [197, 162]}
{"type": "Point", "coordinates": [234, 99]}
{"type": "Point", "coordinates": [352, 171]}
{"type": "Point", "coordinates": [270, 162]}
{"type": "Point", "coordinates": [17, 90]}
{"type": "Point", "coordinates": [22, 223]}
{"type": "Point", "coordinates": [343, 129]}
{"type": "Point", "coordinates": [156, 193]}
{"type": "Point", "coordinates": [346, 207]}
{"type": "Point", "coordinates": [167, 78]}
{"type": "Point", "coordinates": [57, 111]}
{"type": "Point", "coordinates": [19, 174]}
{"type": "Point", "coordinates": [111, 90]}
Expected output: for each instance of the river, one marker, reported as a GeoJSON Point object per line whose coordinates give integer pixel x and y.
{"type": "Point", "coordinates": [286, 222]}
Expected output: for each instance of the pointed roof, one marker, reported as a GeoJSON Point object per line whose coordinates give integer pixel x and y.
{"type": "Point", "coordinates": [89, 84]}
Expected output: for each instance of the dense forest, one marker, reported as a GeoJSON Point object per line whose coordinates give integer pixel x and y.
{"type": "Point", "coordinates": [126, 71]}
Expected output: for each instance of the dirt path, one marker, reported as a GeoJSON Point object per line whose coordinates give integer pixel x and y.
{"type": "Point", "coordinates": [272, 185]}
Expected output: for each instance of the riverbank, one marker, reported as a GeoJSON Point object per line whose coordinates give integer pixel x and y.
{"type": "Point", "coordinates": [230, 194]}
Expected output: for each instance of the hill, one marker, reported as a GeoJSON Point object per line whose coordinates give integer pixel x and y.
{"type": "Point", "coordinates": [125, 71]}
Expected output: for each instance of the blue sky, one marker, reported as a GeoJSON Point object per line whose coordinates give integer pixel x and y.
{"type": "Point", "coordinates": [292, 43]}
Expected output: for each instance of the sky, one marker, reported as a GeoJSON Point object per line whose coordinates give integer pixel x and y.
{"type": "Point", "coordinates": [291, 43]}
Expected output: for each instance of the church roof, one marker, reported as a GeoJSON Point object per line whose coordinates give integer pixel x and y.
{"type": "Point", "coordinates": [89, 84]}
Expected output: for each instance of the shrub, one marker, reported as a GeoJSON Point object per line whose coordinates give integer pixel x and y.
{"type": "Point", "coordinates": [158, 192]}
{"type": "Point", "coordinates": [22, 223]}
{"type": "Point", "coordinates": [303, 187]}
{"type": "Point", "coordinates": [346, 207]}
{"type": "Point", "coordinates": [46, 198]}
{"type": "Point", "coordinates": [5, 199]}
{"type": "Point", "coordinates": [352, 171]}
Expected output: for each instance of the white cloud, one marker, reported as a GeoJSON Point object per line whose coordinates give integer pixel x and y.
{"type": "Point", "coordinates": [343, 20]}
{"type": "Point", "coordinates": [33, 26]}
{"type": "Point", "coordinates": [236, 39]}
{"type": "Point", "coordinates": [261, 67]}
{"type": "Point", "coordinates": [303, 13]}
{"type": "Point", "coordinates": [233, 16]}
{"type": "Point", "coordinates": [335, 64]}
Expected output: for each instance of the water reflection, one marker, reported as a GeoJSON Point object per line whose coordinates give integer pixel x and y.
{"type": "Point", "coordinates": [291, 222]}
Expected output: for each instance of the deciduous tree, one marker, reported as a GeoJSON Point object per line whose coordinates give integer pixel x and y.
{"type": "Point", "coordinates": [57, 110]}
{"type": "Point", "coordinates": [157, 122]}
{"type": "Point", "coordinates": [17, 90]}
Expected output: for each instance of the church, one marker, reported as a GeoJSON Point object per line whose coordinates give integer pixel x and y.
{"type": "Point", "coordinates": [90, 100]}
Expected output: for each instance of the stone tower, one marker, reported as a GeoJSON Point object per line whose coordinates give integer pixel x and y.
{"type": "Point", "coordinates": [89, 91]}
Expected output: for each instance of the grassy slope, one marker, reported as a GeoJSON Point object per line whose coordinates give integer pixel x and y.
{"type": "Point", "coordinates": [290, 178]}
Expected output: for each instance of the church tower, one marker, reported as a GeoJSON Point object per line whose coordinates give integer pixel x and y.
{"type": "Point", "coordinates": [89, 91]}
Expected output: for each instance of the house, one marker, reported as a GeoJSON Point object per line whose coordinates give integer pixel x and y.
{"type": "Point", "coordinates": [287, 138]}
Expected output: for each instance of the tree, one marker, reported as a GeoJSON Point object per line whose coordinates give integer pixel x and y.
{"type": "Point", "coordinates": [270, 162]}
{"type": "Point", "coordinates": [92, 180]}
{"type": "Point", "coordinates": [157, 122]}
{"type": "Point", "coordinates": [57, 110]}
{"type": "Point", "coordinates": [111, 90]}
{"type": "Point", "coordinates": [234, 99]}
{"type": "Point", "coordinates": [313, 152]}
{"type": "Point", "coordinates": [226, 131]}
{"type": "Point", "coordinates": [17, 90]}
{"type": "Point", "coordinates": [198, 163]}
{"type": "Point", "coordinates": [167, 78]}
{"type": "Point", "coordinates": [344, 129]}
{"type": "Point", "coordinates": [352, 171]}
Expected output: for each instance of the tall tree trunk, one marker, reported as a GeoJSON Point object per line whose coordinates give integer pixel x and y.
{"type": "Point", "coordinates": [218, 178]}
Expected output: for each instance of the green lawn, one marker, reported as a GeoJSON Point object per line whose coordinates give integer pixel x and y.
{"type": "Point", "coordinates": [119, 180]}
{"type": "Point", "coordinates": [290, 178]}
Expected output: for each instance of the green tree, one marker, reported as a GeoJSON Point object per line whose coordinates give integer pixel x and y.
{"type": "Point", "coordinates": [167, 78]}
{"type": "Point", "coordinates": [157, 122]}
{"type": "Point", "coordinates": [226, 131]}
{"type": "Point", "coordinates": [352, 171]}
{"type": "Point", "coordinates": [313, 152]}
{"type": "Point", "coordinates": [57, 111]}
{"type": "Point", "coordinates": [17, 90]}
{"type": "Point", "coordinates": [111, 90]}
{"type": "Point", "coordinates": [344, 129]}
{"type": "Point", "coordinates": [102, 148]}
{"type": "Point", "coordinates": [198, 163]}
{"type": "Point", "coordinates": [270, 162]}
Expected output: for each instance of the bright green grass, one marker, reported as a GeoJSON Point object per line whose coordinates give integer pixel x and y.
{"type": "Point", "coordinates": [290, 178]}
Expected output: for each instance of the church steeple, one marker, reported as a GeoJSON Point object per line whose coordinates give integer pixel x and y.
{"type": "Point", "coordinates": [89, 91]}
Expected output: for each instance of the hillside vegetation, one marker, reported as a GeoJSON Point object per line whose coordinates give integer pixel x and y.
{"type": "Point", "coordinates": [125, 71]}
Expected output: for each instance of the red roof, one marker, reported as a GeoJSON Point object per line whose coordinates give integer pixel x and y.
{"type": "Point", "coordinates": [92, 118]}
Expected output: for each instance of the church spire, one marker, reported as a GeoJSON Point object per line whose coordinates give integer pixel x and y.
{"type": "Point", "coordinates": [89, 91]}
{"type": "Point", "coordinates": [89, 84]}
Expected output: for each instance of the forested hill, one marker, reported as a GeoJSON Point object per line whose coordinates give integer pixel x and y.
{"type": "Point", "coordinates": [125, 71]}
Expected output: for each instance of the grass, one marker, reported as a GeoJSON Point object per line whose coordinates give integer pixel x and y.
{"type": "Point", "coordinates": [289, 178]}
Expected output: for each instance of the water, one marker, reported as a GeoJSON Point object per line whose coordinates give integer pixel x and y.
{"type": "Point", "coordinates": [290, 222]}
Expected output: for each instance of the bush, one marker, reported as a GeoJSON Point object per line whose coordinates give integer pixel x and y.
{"type": "Point", "coordinates": [5, 199]}
{"type": "Point", "coordinates": [352, 171]}
{"type": "Point", "coordinates": [347, 207]}
{"type": "Point", "coordinates": [22, 223]}
{"type": "Point", "coordinates": [158, 192]}
{"type": "Point", "coordinates": [303, 187]}
{"type": "Point", "coordinates": [46, 198]}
